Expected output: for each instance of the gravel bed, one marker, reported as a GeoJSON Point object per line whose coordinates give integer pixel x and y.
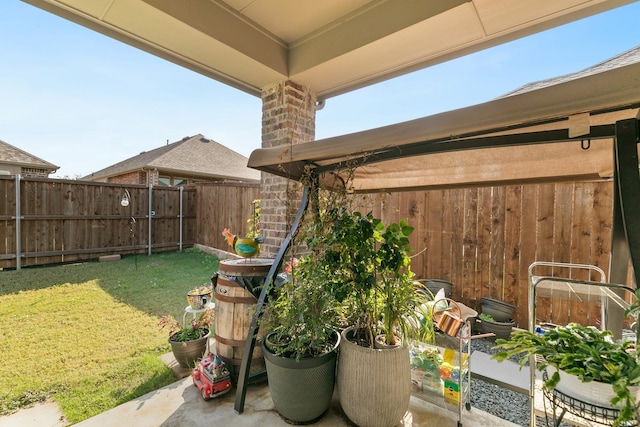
{"type": "Point", "coordinates": [498, 401]}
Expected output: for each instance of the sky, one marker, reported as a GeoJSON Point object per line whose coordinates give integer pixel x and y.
{"type": "Point", "coordinates": [83, 101]}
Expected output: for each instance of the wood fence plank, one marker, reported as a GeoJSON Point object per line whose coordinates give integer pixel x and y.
{"type": "Point", "coordinates": [512, 226]}
{"type": "Point", "coordinates": [457, 241]}
{"type": "Point", "coordinates": [412, 210]}
{"type": "Point", "coordinates": [528, 239]}
{"type": "Point", "coordinates": [433, 226]}
{"type": "Point", "coordinates": [483, 261]}
{"type": "Point", "coordinates": [544, 243]}
{"type": "Point", "coordinates": [496, 251]}
{"type": "Point", "coordinates": [563, 215]}
{"type": "Point", "coordinates": [601, 236]}
{"type": "Point", "coordinates": [467, 287]}
{"type": "Point", "coordinates": [582, 225]}
{"type": "Point", "coordinates": [446, 234]}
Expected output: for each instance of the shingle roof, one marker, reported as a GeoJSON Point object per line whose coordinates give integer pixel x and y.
{"type": "Point", "coordinates": [629, 57]}
{"type": "Point", "coordinates": [196, 155]}
{"type": "Point", "coordinates": [15, 156]}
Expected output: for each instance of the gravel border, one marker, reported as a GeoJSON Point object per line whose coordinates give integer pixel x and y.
{"type": "Point", "coordinates": [495, 400]}
{"type": "Point", "coordinates": [501, 402]}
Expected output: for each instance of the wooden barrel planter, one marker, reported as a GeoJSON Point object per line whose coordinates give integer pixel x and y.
{"type": "Point", "coordinates": [234, 310]}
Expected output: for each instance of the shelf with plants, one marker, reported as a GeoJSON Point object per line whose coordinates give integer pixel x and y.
{"type": "Point", "coordinates": [440, 372]}
{"type": "Point", "coordinates": [585, 368]}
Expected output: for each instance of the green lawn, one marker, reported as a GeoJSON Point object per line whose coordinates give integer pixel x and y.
{"type": "Point", "coordinates": [86, 334]}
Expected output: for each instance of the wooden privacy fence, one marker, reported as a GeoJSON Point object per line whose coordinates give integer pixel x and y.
{"type": "Point", "coordinates": [220, 206]}
{"type": "Point", "coordinates": [484, 239]}
{"type": "Point", "coordinates": [46, 221]}
{"type": "Point", "coordinates": [53, 221]}
{"type": "Point", "coordinates": [480, 239]}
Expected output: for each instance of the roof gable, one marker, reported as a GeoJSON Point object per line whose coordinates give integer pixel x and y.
{"type": "Point", "coordinates": [196, 155]}
{"type": "Point", "coordinates": [629, 57]}
{"type": "Point", "coordinates": [15, 156]}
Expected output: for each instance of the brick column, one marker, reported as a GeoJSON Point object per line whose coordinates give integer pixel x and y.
{"type": "Point", "coordinates": [288, 117]}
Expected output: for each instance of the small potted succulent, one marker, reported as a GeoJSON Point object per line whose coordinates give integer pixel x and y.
{"type": "Point", "coordinates": [189, 341]}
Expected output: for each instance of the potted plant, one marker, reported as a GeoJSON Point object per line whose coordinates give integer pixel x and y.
{"type": "Point", "coordinates": [373, 281]}
{"type": "Point", "coordinates": [490, 325]}
{"type": "Point", "coordinates": [586, 355]}
{"type": "Point", "coordinates": [301, 349]}
{"type": "Point", "coordinates": [189, 341]}
{"type": "Point", "coordinates": [200, 297]}
{"type": "Point", "coordinates": [500, 310]}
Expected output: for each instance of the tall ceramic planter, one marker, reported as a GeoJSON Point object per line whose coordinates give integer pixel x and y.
{"type": "Point", "coordinates": [374, 385]}
{"type": "Point", "coordinates": [301, 390]}
{"type": "Point", "coordinates": [187, 353]}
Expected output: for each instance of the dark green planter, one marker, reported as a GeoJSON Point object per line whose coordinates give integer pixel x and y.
{"type": "Point", "coordinates": [500, 311]}
{"type": "Point", "coordinates": [187, 353]}
{"type": "Point", "coordinates": [434, 285]}
{"type": "Point", "coordinates": [501, 329]}
{"type": "Point", "coordinates": [301, 390]}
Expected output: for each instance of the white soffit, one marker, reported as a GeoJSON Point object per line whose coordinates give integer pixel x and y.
{"type": "Point", "coordinates": [334, 46]}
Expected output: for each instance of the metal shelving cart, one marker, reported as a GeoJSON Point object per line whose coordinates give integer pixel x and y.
{"type": "Point", "coordinates": [449, 384]}
{"type": "Point", "coordinates": [612, 302]}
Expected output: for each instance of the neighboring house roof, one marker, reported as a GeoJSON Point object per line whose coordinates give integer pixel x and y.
{"type": "Point", "coordinates": [629, 57]}
{"type": "Point", "coordinates": [195, 156]}
{"type": "Point", "coordinates": [15, 156]}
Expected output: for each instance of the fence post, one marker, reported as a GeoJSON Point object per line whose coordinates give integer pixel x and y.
{"type": "Point", "coordinates": [149, 215]}
{"type": "Point", "coordinates": [18, 226]}
{"type": "Point", "coordinates": [180, 221]}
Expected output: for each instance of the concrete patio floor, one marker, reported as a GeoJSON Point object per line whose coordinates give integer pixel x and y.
{"type": "Point", "coordinates": [180, 404]}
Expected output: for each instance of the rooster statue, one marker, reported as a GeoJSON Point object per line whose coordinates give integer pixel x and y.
{"type": "Point", "coordinates": [246, 247]}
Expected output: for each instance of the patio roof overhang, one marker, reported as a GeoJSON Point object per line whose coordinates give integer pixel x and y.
{"type": "Point", "coordinates": [561, 132]}
{"type": "Point", "coordinates": [331, 46]}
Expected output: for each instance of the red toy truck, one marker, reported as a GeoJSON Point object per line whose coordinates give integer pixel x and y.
{"type": "Point", "coordinates": [211, 377]}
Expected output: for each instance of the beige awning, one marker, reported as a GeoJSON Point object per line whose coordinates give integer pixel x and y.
{"type": "Point", "coordinates": [561, 132]}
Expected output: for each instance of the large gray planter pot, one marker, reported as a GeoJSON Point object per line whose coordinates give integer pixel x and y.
{"type": "Point", "coordinates": [434, 285]}
{"type": "Point", "coordinates": [501, 311]}
{"type": "Point", "coordinates": [187, 353]}
{"type": "Point", "coordinates": [374, 385]}
{"type": "Point", "coordinates": [500, 329]}
{"type": "Point", "coordinates": [301, 390]}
